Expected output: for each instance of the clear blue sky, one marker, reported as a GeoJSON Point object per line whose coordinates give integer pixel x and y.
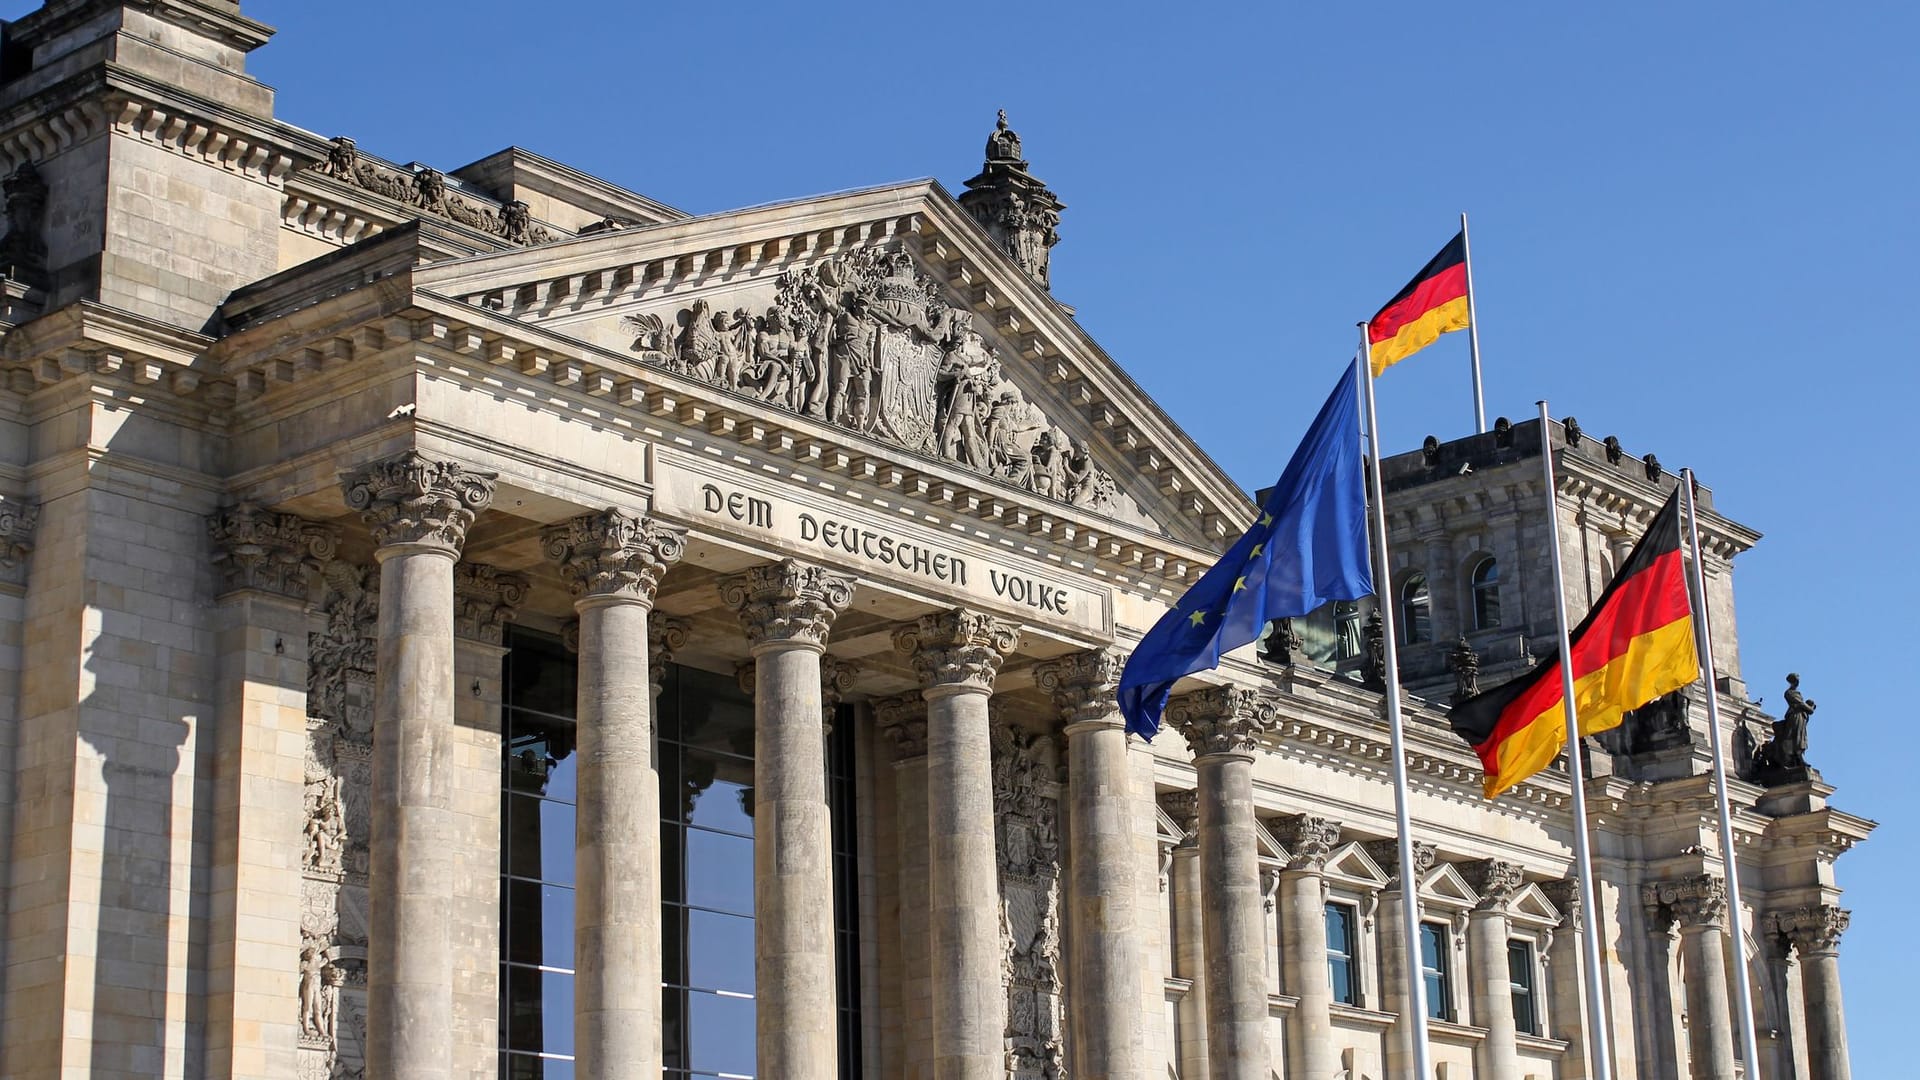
{"type": "Point", "coordinates": [1694, 226]}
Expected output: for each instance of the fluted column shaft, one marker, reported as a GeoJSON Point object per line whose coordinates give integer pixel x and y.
{"type": "Point", "coordinates": [1303, 943]}
{"type": "Point", "coordinates": [419, 511]}
{"type": "Point", "coordinates": [957, 654]}
{"type": "Point", "coordinates": [1220, 725]}
{"type": "Point", "coordinates": [1815, 933]}
{"type": "Point", "coordinates": [904, 719]}
{"type": "Point", "coordinates": [1699, 903]}
{"type": "Point", "coordinates": [1104, 953]}
{"type": "Point", "coordinates": [787, 609]}
{"type": "Point", "coordinates": [1489, 981]}
{"type": "Point", "coordinates": [612, 562]}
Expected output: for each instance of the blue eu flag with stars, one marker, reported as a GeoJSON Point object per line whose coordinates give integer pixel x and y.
{"type": "Point", "coordinates": [1308, 547]}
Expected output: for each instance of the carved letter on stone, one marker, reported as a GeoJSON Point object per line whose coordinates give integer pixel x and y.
{"type": "Point", "coordinates": [410, 499]}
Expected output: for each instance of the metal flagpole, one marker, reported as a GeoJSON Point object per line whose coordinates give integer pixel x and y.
{"type": "Point", "coordinates": [1582, 855]}
{"type": "Point", "coordinates": [1416, 1026]}
{"type": "Point", "coordinates": [1473, 329]}
{"type": "Point", "coordinates": [1703, 639]}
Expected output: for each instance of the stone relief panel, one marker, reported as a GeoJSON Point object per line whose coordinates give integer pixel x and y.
{"type": "Point", "coordinates": [1026, 794]}
{"type": "Point", "coordinates": [336, 836]}
{"type": "Point", "coordinates": [865, 341]}
{"type": "Point", "coordinates": [427, 190]}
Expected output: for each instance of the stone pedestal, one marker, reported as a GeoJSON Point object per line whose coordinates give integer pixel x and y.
{"type": "Point", "coordinates": [1221, 725]}
{"type": "Point", "coordinates": [1489, 983]}
{"type": "Point", "coordinates": [418, 511]}
{"type": "Point", "coordinates": [904, 720]}
{"type": "Point", "coordinates": [612, 562]}
{"type": "Point", "coordinates": [957, 654]}
{"type": "Point", "coordinates": [1189, 934]}
{"type": "Point", "coordinates": [1699, 904]}
{"type": "Point", "coordinates": [787, 609]}
{"type": "Point", "coordinates": [1104, 953]}
{"type": "Point", "coordinates": [1815, 934]}
{"type": "Point", "coordinates": [1309, 841]}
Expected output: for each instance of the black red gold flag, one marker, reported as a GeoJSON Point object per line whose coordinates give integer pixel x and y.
{"type": "Point", "coordinates": [1433, 303]}
{"type": "Point", "coordinates": [1634, 646]}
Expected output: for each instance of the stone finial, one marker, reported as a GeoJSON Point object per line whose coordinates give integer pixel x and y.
{"type": "Point", "coordinates": [787, 601]}
{"type": "Point", "coordinates": [958, 647]}
{"type": "Point", "coordinates": [1565, 895]}
{"type": "Point", "coordinates": [257, 549]}
{"type": "Point", "coordinates": [412, 499]}
{"type": "Point", "coordinates": [1466, 670]}
{"type": "Point", "coordinates": [1017, 210]}
{"type": "Point", "coordinates": [903, 719]}
{"type": "Point", "coordinates": [17, 522]}
{"type": "Point", "coordinates": [1386, 853]}
{"type": "Point", "coordinates": [1222, 719]}
{"type": "Point", "coordinates": [614, 554]}
{"type": "Point", "coordinates": [1373, 670]}
{"type": "Point", "coordinates": [1496, 880]}
{"type": "Point", "coordinates": [1308, 838]}
{"type": "Point", "coordinates": [1815, 928]}
{"type": "Point", "coordinates": [1695, 900]}
{"type": "Point", "coordinates": [1084, 685]}
{"type": "Point", "coordinates": [485, 599]}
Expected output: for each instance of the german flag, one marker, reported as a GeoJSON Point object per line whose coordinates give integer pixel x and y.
{"type": "Point", "coordinates": [1433, 303]}
{"type": "Point", "coordinates": [1635, 645]}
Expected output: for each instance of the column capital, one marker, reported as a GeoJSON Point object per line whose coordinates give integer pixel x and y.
{"type": "Point", "coordinates": [1496, 880]}
{"type": "Point", "coordinates": [613, 555]}
{"type": "Point", "coordinates": [1184, 808]}
{"type": "Point", "coordinates": [253, 548]}
{"type": "Point", "coordinates": [1565, 895]}
{"type": "Point", "coordinates": [787, 602]}
{"type": "Point", "coordinates": [17, 522]}
{"type": "Point", "coordinates": [1697, 900]}
{"type": "Point", "coordinates": [903, 720]}
{"type": "Point", "coordinates": [1815, 928]}
{"type": "Point", "coordinates": [1085, 686]}
{"type": "Point", "coordinates": [957, 648]}
{"type": "Point", "coordinates": [1386, 853]}
{"type": "Point", "coordinates": [666, 635]}
{"type": "Point", "coordinates": [485, 599]}
{"type": "Point", "coordinates": [1308, 838]}
{"type": "Point", "coordinates": [1222, 719]}
{"type": "Point", "coordinates": [412, 499]}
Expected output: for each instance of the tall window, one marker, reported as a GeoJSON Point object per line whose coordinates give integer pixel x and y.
{"type": "Point", "coordinates": [1341, 947]}
{"type": "Point", "coordinates": [536, 844]}
{"type": "Point", "coordinates": [1416, 610]}
{"type": "Point", "coordinates": [1486, 594]}
{"type": "Point", "coordinates": [1526, 1013]}
{"type": "Point", "coordinates": [1434, 970]}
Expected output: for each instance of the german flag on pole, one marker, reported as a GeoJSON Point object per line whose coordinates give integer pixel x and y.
{"type": "Point", "coordinates": [1433, 303]}
{"type": "Point", "coordinates": [1635, 645]}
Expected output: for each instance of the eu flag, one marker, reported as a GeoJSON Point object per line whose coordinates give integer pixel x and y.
{"type": "Point", "coordinates": [1309, 547]}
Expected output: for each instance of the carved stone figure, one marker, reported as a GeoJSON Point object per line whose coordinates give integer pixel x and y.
{"type": "Point", "coordinates": [1282, 643]}
{"type": "Point", "coordinates": [1017, 210]}
{"type": "Point", "coordinates": [23, 252]}
{"type": "Point", "coordinates": [516, 222]}
{"type": "Point", "coordinates": [1466, 670]}
{"type": "Point", "coordinates": [342, 158]}
{"type": "Point", "coordinates": [1570, 427]}
{"type": "Point", "coordinates": [1373, 674]}
{"type": "Point", "coordinates": [967, 375]}
{"type": "Point", "coordinates": [1614, 450]}
{"type": "Point", "coordinates": [781, 368]}
{"type": "Point", "coordinates": [326, 827]}
{"type": "Point", "coordinates": [1027, 839]}
{"type": "Point", "coordinates": [430, 190]}
{"type": "Point", "coordinates": [1788, 747]}
{"type": "Point", "coordinates": [316, 997]}
{"type": "Point", "coordinates": [427, 190]}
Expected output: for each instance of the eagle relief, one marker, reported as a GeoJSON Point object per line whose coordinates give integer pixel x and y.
{"type": "Point", "coordinates": [865, 341]}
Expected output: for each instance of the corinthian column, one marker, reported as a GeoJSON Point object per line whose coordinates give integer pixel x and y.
{"type": "Point", "coordinates": [1221, 724]}
{"type": "Point", "coordinates": [957, 654]}
{"type": "Point", "coordinates": [418, 511]}
{"type": "Point", "coordinates": [1309, 840]}
{"type": "Point", "coordinates": [612, 562]}
{"type": "Point", "coordinates": [904, 721]}
{"type": "Point", "coordinates": [1489, 981]}
{"type": "Point", "coordinates": [787, 609]}
{"type": "Point", "coordinates": [1699, 904]}
{"type": "Point", "coordinates": [1815, 933]}
{"type": "Point", "coordinates": [1105, 949]}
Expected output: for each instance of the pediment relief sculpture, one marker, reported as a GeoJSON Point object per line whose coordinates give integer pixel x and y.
{"type": "Point", "coordinates": [865, 341]}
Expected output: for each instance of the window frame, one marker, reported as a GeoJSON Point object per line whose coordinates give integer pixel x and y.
{"type": "Point", "coordinates": [1351, 956]}
{"type": "Point", "coordinates": [1424, 623]}
{"type": "Point", "coordinates": [1483, 584]}
{"type": "Point", "coordinates": [1443, 1000]}
{"type": "Point", "coordinates": [1528, 947]}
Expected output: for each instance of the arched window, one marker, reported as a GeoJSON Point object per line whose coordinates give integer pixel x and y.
{"type": "Point", "coordinates": [1486, 594]}
{"type": "Point", "coordinates": [1416, 610]}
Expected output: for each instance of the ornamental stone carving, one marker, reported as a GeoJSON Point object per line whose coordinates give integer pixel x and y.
{"type": "Point", "coordinates": [959, 647]}
{"type": "Point", "coordinates": [485, 599]}
{"type": "Point", "coordinates": [276, 553]}
{"type": "Point", "coordinates": [1386, 854]}
{"type": "Point", "coordinates": [1019, 212]}
{"type": "Point", "coordinates": [340, 656]}
{"type": "Point", "coordinates": [1184, 808]}
{"type": "Point", "coordinates": [1496, 880]}
{"type": "Point", "coordinates": [1466, 670]}
{"type": "Point", "coordinates": [787, 601]}
{"type": "Point", "coordinates": [1027, 840]}
{"type": "Point", "coordinates": [1696, 900]}
{"type": "Point", "coordinates": [836, 678]}
{"type": "Point", "coordinates": [412, 499]}
{"type": "Point", "coordinates": [1222, 719]}
{"type": "Point", "coordinates": [1815, 928]}
{"type": "Point", "coordinates": [1084, 685]}
{"type": "Point", "coordinates": [666, 636]}
{"type": "Point", "coordinates": [1565, 895]}
{"type": "Point", "coordinates": [865, 341]}
{"type": "Point", "coordinates": [23, 251]}
{"type": "Point", "coordinates": [614, 554]}
{"type": "Point", "coordinates": [427, 191]}
{"type": "Point", "coordinates": [903, 720]}
{"type": "Point", "coordinates": [1308, 838]}
{"type": "Point", "coordinates": [17, 522]}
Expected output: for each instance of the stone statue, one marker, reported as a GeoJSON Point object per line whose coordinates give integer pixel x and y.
{"type": "Point", "coordinates": [699, 349]}
{"type": "Point", "coordinates": [1374, 673]}
{"type": "Point", "coordinates": [1282, 644]}
{"type": "Point", "coordinates": [851, 356]}
{"type": "Point", "coordinates": [430, 190]}
{"type": "Point", "coordinates": [1466, 670]}
{"type": "Point", "coordinates": [968, 375]}
{"type": "Point", "coordinates": [342, 157]}
{"type": "Point", "coordinates": [516, 222]}
{"type": "Point", "coordinates": [1788, 748]}
{"type": "Point", "coordinates": [316, 1012]}
{"type": "Point", "coordinates": [1571, 428]}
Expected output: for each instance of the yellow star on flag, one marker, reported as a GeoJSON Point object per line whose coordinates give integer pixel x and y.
{"type": "Point", "coordinates": [1197, 618]}
{"type": "Point", "coordinates": [1258, 548]}
{"type": "Point", "coordinates": [1266, 519]}
{"type": "Point", "coordinates": [1239, 584]}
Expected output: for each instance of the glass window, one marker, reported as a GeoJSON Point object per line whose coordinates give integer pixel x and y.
{"type": "Point", "coordinates": [1526, 1016]}
{"type": "Point", "coordinates": [1416, 610]}
{"type": "Point", "coordinates": [1435, 970]}
{"type": "Point", "coordinates": [1340, 953]}
{"type": "Point", "coordinates": [1486, 594]}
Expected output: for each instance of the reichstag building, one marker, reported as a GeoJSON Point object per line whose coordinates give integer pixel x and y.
{"type": "Point", "coordinates": [487, 623]}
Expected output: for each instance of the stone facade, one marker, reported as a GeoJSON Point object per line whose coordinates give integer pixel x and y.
{"type": "Point", "coordinates": [301, 442]}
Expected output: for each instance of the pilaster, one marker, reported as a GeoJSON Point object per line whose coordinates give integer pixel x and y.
{"type": "Point", "coordinates": [1699, 904]}
{"type": "Point", "coordinates": [1309, 840]}
{"type": "Point", "coordinates": [1489, 982]}
{"type": "Point", "coordinates": [1815, 931]}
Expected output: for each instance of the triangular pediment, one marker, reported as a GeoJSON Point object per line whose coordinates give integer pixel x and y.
{"type": "Point", "coordinates": [1444, 885]}
{"type": "Point", "coordinates": [1268, 848]}
{"type": "Point", "coordinates": [1531, 905]}
{"type": "Point", "coordinates": [1350, 863]}
{"type": "Point", "coordinates": [887, 319]}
